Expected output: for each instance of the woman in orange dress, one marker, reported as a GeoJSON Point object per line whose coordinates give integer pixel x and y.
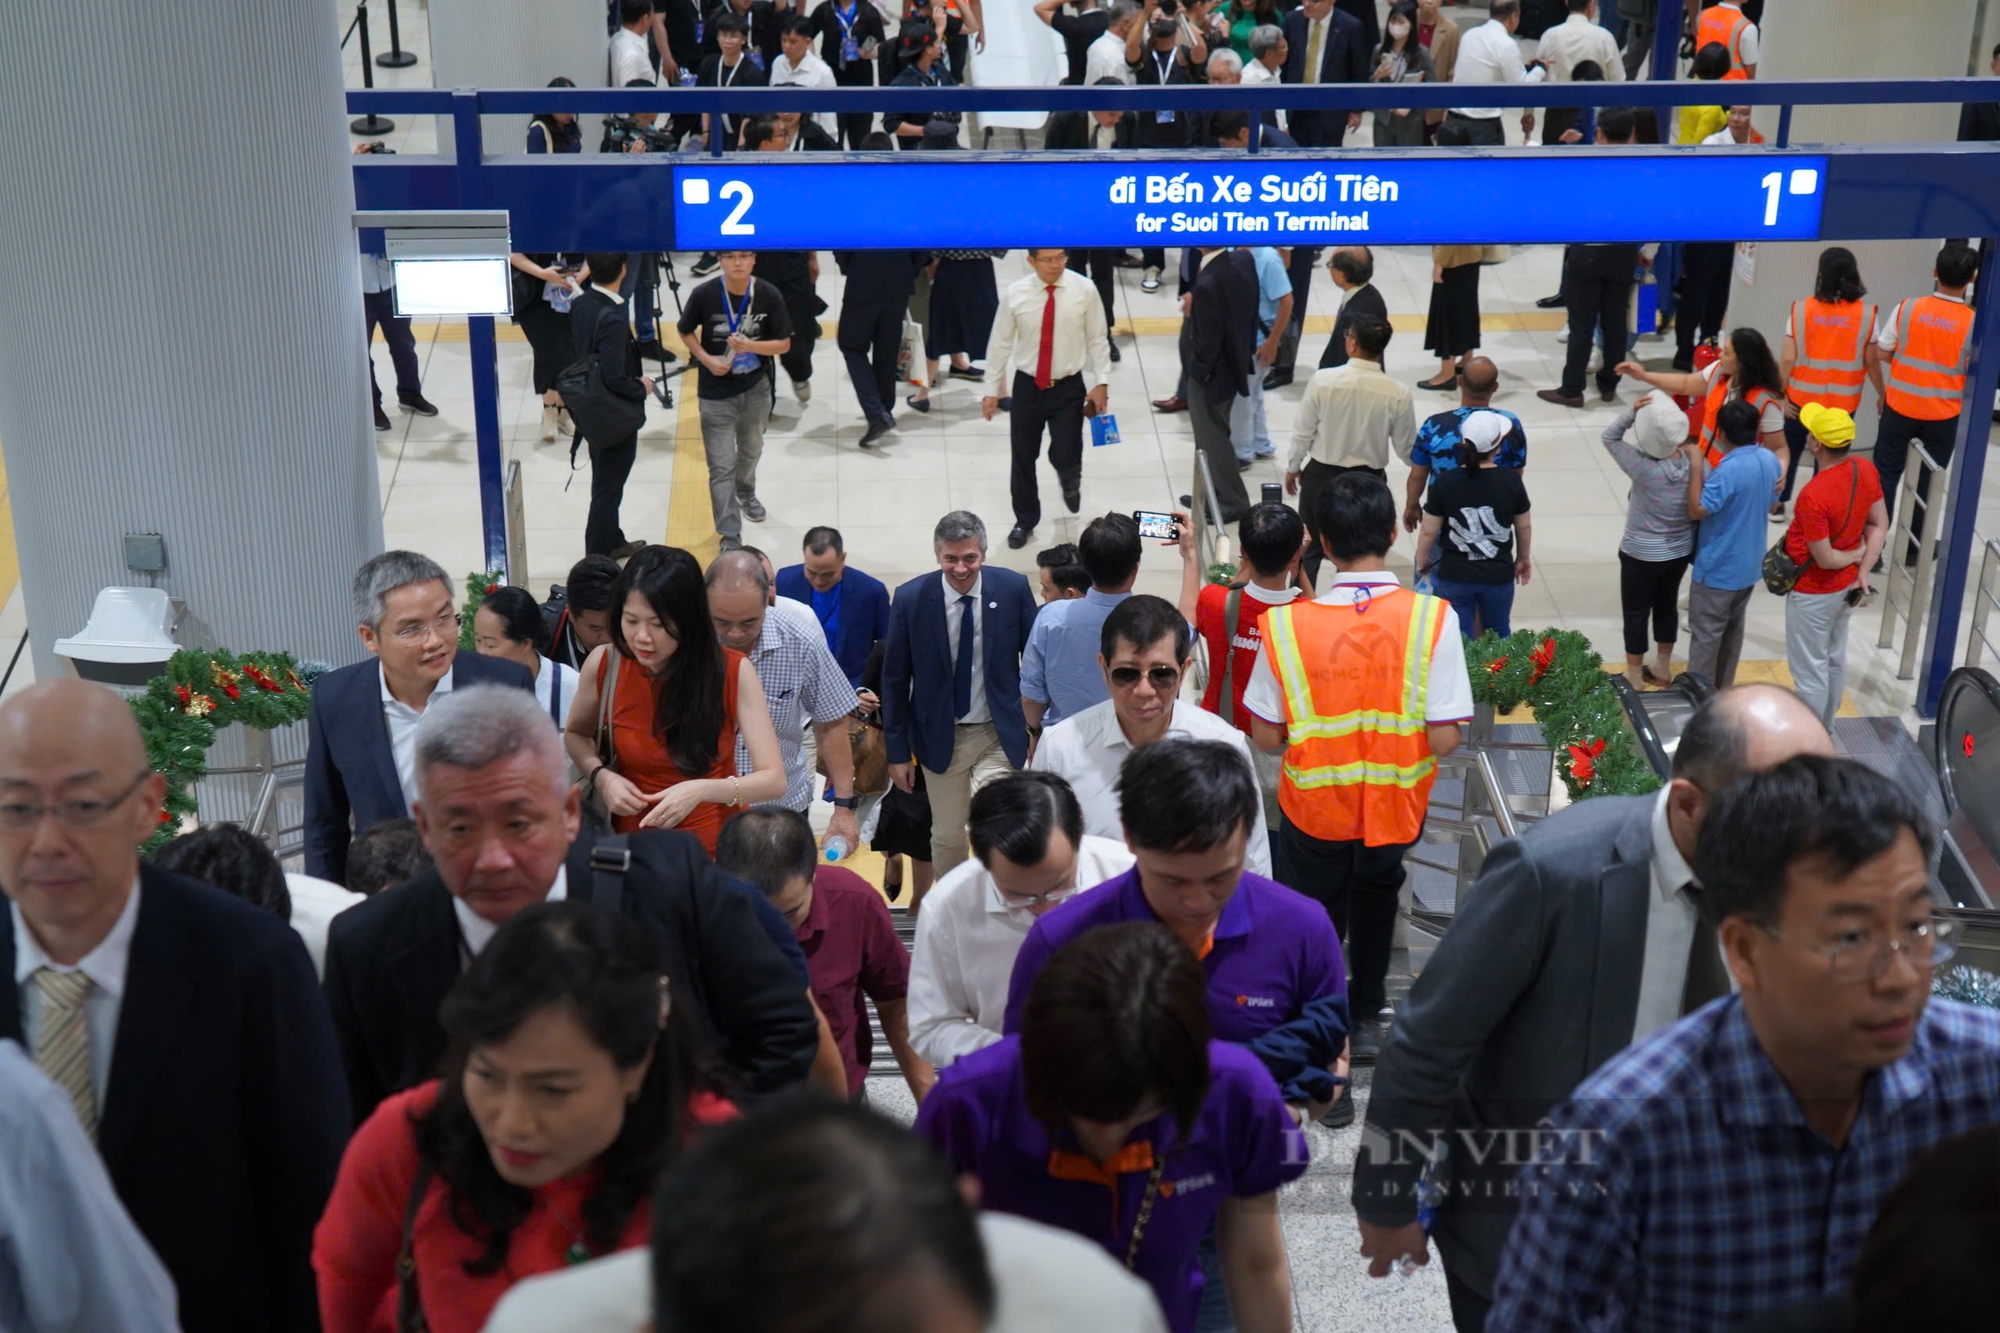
{"type": "Point", "coordinates": [679, 703]}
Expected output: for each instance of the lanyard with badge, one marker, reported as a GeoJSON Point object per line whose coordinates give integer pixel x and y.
{"type": "Point", "coordinates": [850, 50]}
{"type": "Point", "coordinates": [746, 362]}
{"type": "Point", "coordinates": [1165, 69]}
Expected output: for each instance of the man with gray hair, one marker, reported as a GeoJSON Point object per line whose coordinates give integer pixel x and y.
{"type": "Point", "coordinates": [361, 751]}
{"type": "Point", "coordinates": [801, 680]}
{"type": "Point", "coordinates": [501, 820]}
{"type": "Point", "coordinates": [951, 680]}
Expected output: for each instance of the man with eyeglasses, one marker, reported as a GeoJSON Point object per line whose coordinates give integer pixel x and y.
{"type": "Point", "coordinates": [1732, 1163]}
{"type": "Point", "coordinates": [361, 751]}
{"type": "Point", "coordinates": [1030, 855]}
{"type": "Point", "coordinates": [1144, 651]}
{"type": "Point", "coordinates": [222, 1117]}
{"type": "Point", "coordinates": [1578, 938]}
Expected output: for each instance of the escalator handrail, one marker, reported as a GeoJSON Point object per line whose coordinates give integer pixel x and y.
{"type": "Point", "coordinates": [1694, 685]}
{"type": "Point", "coordinates": [1642, 726]}
{"type": "Point", "coordinates": [1959, 681]}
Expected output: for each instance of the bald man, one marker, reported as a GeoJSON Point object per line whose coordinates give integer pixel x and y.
{"type": "Point", "coordinates": [801, 680]}
{"type": "Point", "coordinates": [1578, 938]}
{"type": "Point", "coordinates": [186, 1026]}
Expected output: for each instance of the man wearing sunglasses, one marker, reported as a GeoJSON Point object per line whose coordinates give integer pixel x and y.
{"type": "Point", "coordinates": [361, 748]}
{"type": "Point", "coordinates": [1143, 651]}
{"type": "Point", "coordinates": [1733, 1162]}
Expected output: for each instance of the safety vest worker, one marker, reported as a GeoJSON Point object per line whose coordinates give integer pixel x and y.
{"type": "Point", "coordinates": [1831, 343]}
{"type": "Point", "coordinates": [1718, 394]}
{"type": "Point", "coordinates": [1926, 378]}
{"type": "Point", "coordinates": [1726, 23]}
{"type": "Point", "coordinates": [1361, 691]}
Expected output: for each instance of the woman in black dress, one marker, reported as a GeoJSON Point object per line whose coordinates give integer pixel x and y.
{"type": "Point", "coordinates": [542, 280]}
{"type": "Point", "coordinates": [964, 300]}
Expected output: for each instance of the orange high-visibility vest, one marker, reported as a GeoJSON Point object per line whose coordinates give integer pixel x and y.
{"type": "Point", "coordinates": [1358, 762]}
{"type": "Point", "coordinates": [1720, 23]}
{"type": "Point", "coordinates": [1718, 394]}
{"type": "Point", "coordinates": [1831, 338]}
{"type": "Point", "coordinates": [1926, 376]}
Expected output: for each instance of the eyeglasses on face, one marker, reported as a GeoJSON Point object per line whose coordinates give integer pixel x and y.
{"type": "Point", "coordinates": [1052, 897]}
{"type": "Point", "coordinates": [1165, 679]}
{"type": "Point", "coordinates": [81, 813]}
{"type": "Point", "coordinates": [445, 627]}
{"type": "Point", "coordinates": [1863, 955]}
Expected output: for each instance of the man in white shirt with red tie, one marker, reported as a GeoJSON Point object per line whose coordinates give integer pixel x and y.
{"type": "Point", "coordinates": [1051, 326]}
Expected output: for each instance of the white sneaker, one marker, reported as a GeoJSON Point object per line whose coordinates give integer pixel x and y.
{"type": "Point", "coordinates": [1150, 280]}
{"type": "Point", "coordinates": [1596, 359]}
{"type": "Point", "coordinates": [1562, 334]}
{"type": "Point", "coordinates": [802, 390]}
{"type": "Point", "coordinates": [565, 424]}
{"type": "Point", "coordinates": [550, 421]}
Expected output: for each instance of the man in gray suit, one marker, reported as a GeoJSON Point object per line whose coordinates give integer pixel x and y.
{"type": "Point", "coordinates": [1578, 938]}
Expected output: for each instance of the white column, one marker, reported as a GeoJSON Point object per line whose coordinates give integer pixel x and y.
{"type": "Point", "coordinates": [181, 320]}
{"type": "Point", "coordinates": [517, 44]}
{"type": "Point", "coordinates": [1862, 39]}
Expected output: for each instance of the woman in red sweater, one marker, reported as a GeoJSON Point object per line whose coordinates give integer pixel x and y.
{"type": "Point", "coordinates": [569, 1087]}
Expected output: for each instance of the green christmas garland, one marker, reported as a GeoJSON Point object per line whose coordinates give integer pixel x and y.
{"type": "Point", "coordinates": [197, 695]}
{"type": "Point", "coordinates": [1558, 675]}
{"type": "Point", "coordinates": [478, 587]}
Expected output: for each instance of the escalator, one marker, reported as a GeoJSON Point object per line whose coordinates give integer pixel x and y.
{"type": "Point", "coordinates": [1965, 749]}
{"type": "Point", "coordinates": [1657, 717]}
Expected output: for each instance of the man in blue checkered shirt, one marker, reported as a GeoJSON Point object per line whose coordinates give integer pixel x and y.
{"type": "Point", "coordinates": [1733, 1162]}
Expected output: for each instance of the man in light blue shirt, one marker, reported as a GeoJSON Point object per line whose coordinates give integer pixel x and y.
{"type": "Point", "coordinates": [1059, 672]}
{"type": "Point", "coordinates": [1730, 501]}
{"type": "Point", "coordinates": [1249, 433]}
{"type": "Point", "coordinates": [70, 1259]}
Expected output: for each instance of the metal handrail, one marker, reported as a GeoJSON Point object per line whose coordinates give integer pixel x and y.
{"type": "Point", "coordinates": [1482, 798]}
{"type": "Point", "coordinates": [1917, 583]}
{"type": "Point", "coordinates": [1985, 596]}
{"type": "Point", "coordinates": [291, 773]}
{"type": "Point", "coordinates": [517, 527]}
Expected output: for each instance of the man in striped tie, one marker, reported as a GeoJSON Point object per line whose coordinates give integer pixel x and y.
{"type": "Point", "coordinates": [186, 1026]}
{"type": "Point", "coordinates": [1051, 324]}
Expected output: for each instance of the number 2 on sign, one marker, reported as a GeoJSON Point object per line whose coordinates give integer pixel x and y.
{"type": "Point", "coordinates": [733, 225]}
{"type": "Point", "coordinates": [1770, 184]}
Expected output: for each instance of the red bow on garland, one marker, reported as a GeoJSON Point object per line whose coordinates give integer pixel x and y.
{"type": "Point", "coordinates": [1583, 761]}
{"type": "Point", "coordinates": [1497, 665]}
{"type": "Point", "coordinates": [263, 679]}
{"type": "Point", "coordinates": [1542, 657]}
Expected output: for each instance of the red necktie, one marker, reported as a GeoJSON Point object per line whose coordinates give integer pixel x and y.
{"type": "Point", "coordinates": [1045, 360]}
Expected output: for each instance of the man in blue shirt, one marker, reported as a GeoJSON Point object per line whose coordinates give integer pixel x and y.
{"type": "Point", "coordinates": [1276, 980]}
{"type": "Point", "coordinates": [1436, 449]}
{"type": "Point", "coordinates": [1059, 672]}
{"type": "Point", "coordinates": [852, 607]}
{"type": "Point", "coordinates": [1249, 432]}
{"type": "Point", "coordinates": [1733, 1162]}
{"type": "Point", "coordinates": [1730, 503]}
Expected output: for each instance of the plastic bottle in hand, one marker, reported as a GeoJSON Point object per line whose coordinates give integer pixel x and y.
{"type": "Point", "coordinates": [837, 848]}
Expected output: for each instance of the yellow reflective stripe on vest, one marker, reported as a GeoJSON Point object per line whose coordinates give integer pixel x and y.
{"type": "Point", "coordinates": [1903, 360]}
{"type": "Point", "coordinates": [1361, 772]}
{"type": "Point", "coordinates": [1417, 655]}
{"type": "Point", "coordinates": [1291, 669]}
{"type": "Point", "coordinates": [1800, 341]}
{"type": "Point", "coordinates": [1346, 724]}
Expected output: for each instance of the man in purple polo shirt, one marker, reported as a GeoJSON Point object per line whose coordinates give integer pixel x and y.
{"type": "Point", "coordinates": [1276, 982]}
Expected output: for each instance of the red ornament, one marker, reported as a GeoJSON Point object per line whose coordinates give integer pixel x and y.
{"type": "Point", "coordinates": [492, 588]}
{"type": "Point", "coordinates": [1497, 665]}
{"type": "Point", "coordinates": [1583, 761]}
{"type": "Point", "coordinates": [262, 678]}
{"type": "Point", "coordinates": [185, 695]}
{"type": "Point", "coordinates": [1542, 657]}
{"type": "Point", "coordinates": [166, 816]}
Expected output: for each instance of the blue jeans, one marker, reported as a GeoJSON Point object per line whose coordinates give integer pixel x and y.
{"type": "Point", "coordinates": [1667, 272]}
{"type": "Point", "coordinates": [1494, 603]}
{"type": "Point", "coordinates": [1249, 432]}
{"type": "Point", "coordinates": [639, 291]}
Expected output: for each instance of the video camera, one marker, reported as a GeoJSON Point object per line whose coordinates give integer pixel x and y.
{"type": "Point", "coordinates": [621, 131]}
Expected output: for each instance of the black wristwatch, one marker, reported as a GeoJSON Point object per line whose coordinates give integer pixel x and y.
{"type": "Point", "coordinates": [845, 802]}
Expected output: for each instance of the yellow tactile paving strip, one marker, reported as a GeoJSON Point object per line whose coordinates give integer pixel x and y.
{"type": "Point", "coordinates": [10, 564]}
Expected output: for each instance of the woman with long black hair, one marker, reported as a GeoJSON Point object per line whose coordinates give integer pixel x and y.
{"type": "Point", "coordinates": [570, 1085]}
{"type": "Point", "coordinates": [678, 701]}
{"type": "Point", "coordinates": [509, 624]}
{"type": "Point", "coordinates": [1823, 356]}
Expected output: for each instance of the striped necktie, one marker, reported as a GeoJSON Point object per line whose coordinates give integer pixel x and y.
{"type": "Point", "coordinates": [62, 1040]}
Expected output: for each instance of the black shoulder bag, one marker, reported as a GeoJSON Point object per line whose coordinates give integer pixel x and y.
{"type": "Point", "coordinates": [601, 416]}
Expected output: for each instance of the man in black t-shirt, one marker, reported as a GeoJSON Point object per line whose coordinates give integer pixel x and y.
{"type": "Point", "coordinates": [1077, 30]}
{"type": "Point", "coordinates": [851, 36]}
{"type": "Point", "coordinates": [732, 325]}
{"type": "Point", "coordinates": [793, 272]}
{"type": "Point", "coordinates": [1476, 524]}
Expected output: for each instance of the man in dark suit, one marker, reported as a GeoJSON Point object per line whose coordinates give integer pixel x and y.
{"type": "Point", "coordinates": [1316, 27]}
{"type": "Point", "coordinates": [951, 680]}
{"type": "Point", "coordinates": [597, 327]}
{"type": "Point", "coordinates": [1219, 352]}
{"type": "Point", "coordinates": [500, 819]}
{"type": "Point", "coordinates": [185, 1025]}
{"type": "Point", "coordinates": [853, 607]}
{"type": "Point", "coordinates": [1579, 937]}
{"type": "Point", "coordinates": [360, 751]}
{"type": "Point", "coordinates": [873, 305]}
{"type": "Point", "coordinates": [1352, 268]}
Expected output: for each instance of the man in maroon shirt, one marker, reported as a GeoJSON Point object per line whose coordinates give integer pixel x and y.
{"type": "Point", "coordinates": [844, 928]}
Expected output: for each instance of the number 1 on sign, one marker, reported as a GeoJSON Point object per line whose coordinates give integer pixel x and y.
{"type": "Point", "coordinates": [1770, 184]}
{"type": "Point", "coordinates": [733, 225]}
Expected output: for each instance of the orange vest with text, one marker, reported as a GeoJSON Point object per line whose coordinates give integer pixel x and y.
{"type": "Point", "coordinates": [1358, 763]}
{"type": "Point", "coordinates": [1926, 375]}
{"type": "Point", "coordinates": [1718, 394]}
{"type": "Point", "coordinates": [1831, 337]}
{"type": "Point", "coordinates": [1720, 23]}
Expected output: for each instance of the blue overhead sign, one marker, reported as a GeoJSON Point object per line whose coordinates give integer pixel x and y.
{"type": "Point", "coordinates": [794, 202]}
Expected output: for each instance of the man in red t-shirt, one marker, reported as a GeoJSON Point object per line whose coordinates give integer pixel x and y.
{"type": "Point", "coordinates": [1839, 523]}
{"type": "Point", "coordinates": [1271, 538]}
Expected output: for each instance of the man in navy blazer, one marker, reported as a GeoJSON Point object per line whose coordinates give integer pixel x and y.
{"type": "Point", "coordinates": [951, 699]}
{"type": "Point", "coordinates": [361, 751]}
{"type": "Point", "coordinates": [186, 1025]}
{"type": "Point", "coordinates": [1343, 58]}
{"type": "Point", "coordinates": [853, 607]}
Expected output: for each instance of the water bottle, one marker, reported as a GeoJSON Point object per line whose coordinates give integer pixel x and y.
{"type": "Point", "coordinates": [836, 848]}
